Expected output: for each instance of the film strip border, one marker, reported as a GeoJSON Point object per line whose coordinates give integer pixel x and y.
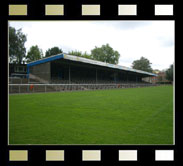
{"type": "Point", "coordinates": [55, 156]}
{"type": "Point", "coordinates": [91, 10]}
{"type": "Point", "coordinates": [96, 10]}
{"type": "Point", "coordinates": [89, 155]}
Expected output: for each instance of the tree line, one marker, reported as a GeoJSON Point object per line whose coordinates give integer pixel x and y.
{"type": "Point", "coordinates": [105, 53]}
{"type": "Point", "coordinates": [17, 50]}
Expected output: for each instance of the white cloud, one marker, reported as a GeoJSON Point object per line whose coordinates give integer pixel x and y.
{"type": "Point", "coordinates": [132, 39]}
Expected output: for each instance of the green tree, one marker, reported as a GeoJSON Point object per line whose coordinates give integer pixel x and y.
{"type": "Point", "coordinates": [169, 73]}
{"type": "Point", "coordinates": [86, 55]}
{"type": "Point", "coordinates": [76, 53]}
{"type": "Point", "coordinates": [105, 54]}
{"type": "Point", "coordinates": [53, 51]}
{"type": "Point", "coordinates": [80, 54]}
{"type": "Point", "coordinates": [142, 64]}
{"type": "Point", "coordinates": [17, 50]}
{"type": "Point", "coordinates": [34, 53]}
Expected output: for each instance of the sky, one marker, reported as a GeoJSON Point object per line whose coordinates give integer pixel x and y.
{"type": "Point", "coordinates": [153, 40]}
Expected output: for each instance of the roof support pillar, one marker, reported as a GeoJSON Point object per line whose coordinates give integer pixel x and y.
{"type": "Point", "coordinates": [69, 75]}
{"type": "Point", "coordinates": [28, 72]}
{"type": "Point", "coordinates": [127, 76]}
{"type": "Point", "coordinates": [96, 75]}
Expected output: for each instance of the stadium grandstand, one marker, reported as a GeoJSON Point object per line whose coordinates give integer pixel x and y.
{"type": "Point", "coordinates": [65, 72]}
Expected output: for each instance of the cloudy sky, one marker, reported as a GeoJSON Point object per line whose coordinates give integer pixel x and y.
{"type": "Point", "coordinates": [153, 40]}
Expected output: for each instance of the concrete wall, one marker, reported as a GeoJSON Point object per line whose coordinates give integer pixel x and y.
{"type": "Point", "coordinates": [42, 71]}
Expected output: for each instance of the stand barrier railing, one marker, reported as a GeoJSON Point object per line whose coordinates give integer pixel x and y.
{"type": "Point", "coordinates": [33, 88]}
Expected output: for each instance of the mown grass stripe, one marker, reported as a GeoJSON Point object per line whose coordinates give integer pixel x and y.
{"type": "Point", "coordinates": [118, 116]}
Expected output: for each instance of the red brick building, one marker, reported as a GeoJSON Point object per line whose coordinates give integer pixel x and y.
{"type": "Point", "coordinates": [161, 78]}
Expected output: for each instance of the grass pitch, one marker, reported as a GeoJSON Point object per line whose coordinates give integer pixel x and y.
{"type": "Point", "coordinates": [119, 116]}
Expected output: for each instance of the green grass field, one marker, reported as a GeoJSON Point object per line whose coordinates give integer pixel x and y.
{"type": "Point", "coordinates": [119, 116]}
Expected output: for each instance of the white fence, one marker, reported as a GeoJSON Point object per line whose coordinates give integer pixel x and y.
{"type": "Point", "coordinates": [33, 88]}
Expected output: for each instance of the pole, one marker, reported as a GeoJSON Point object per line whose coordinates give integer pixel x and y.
{"type": "Point", "coordinates": [96, 75]}
{"type": "Point", "coordinates": [115, 77]}
{"type": "Point", "coordinates": [69, 75]}
{"type": "Point", "coordinates": [127, 76]}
